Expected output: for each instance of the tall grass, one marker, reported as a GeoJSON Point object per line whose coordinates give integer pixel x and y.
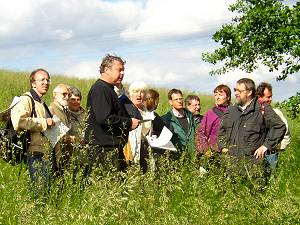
{"type": "Point", "coordinates": [176, 193]}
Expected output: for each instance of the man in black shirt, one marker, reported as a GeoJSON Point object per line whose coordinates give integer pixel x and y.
{"type": "Point", "coordinates": [108, 123]}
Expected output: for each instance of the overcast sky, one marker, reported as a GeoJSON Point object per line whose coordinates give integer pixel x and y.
{"type": "Point", "coordinates": [161, 40]}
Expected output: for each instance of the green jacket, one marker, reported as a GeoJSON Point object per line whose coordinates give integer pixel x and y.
{"type": "Point", "coordinates": [180, 138]}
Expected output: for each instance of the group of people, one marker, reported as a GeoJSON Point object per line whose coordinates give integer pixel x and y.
{"type": "Point", "coordinates": [116, 123]}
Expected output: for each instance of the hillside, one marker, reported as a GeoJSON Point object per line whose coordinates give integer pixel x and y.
{"type": "Point", "coordinates": [15, 83]}
{"type": "Point", "coordinates": [176, 193]}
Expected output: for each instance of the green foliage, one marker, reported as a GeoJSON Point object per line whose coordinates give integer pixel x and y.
{"type": "Point", "coordinates": [9, 89]}
{"type": "Point", "coordinates": [264, 31]}
{"type": "Point", "coordinates": [177, 192]}
{"type": "Point", "coordinates": [292, 106]}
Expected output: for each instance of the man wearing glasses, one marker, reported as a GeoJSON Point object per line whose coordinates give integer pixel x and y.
{"type": "Point", "coordinates": [59, 108]}
{"type": "Point", "coordinates": [192, 103]}
{"type": "Point", "coordinates": [35, 118]}
{"type": "Point", "coordinates": [249, 128]}
{"type": "Point", "coordinates": [180, 121]}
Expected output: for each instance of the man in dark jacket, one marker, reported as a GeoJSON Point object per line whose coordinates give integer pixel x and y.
{"type": "Point", "coordinates": [180, 121]}
{"type": "Point", "coordinates": [248, 129]}
{"type": "Point", "coordinates": [108, 123]}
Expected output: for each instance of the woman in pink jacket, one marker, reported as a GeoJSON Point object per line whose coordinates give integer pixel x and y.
{"type": "Point", "coordinates": [207, 133]}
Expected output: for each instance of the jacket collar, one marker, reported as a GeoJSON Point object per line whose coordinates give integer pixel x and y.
{"type": "Point", "coordinates": [250, 107]}
{"type": "Point", "coordinates": [108, 84]}
{"type": "Point", "coordinates": [178, 114]}
{"type": "Point", "coordinates": [35, 96]}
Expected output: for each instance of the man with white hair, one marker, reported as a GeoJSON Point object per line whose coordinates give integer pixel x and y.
{"type": "Point", "coordinates": [59, 108]}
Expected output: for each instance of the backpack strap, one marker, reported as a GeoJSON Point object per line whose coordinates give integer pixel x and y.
{"type": "Point", "coordinates": [33, 112]}
{"type": "Point", "coordinates": [218, 112]}
{"type": "Point", "coordinates": [47, 109]}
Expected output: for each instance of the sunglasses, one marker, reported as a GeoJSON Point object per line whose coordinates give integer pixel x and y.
{"type": "Point", "coordinates": [65, 94]}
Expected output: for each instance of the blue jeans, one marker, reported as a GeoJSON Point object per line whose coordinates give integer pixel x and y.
{"type": "Point", "coordinates": [39, 172]}
{"type": "Point", "coordinates": [272, 160]}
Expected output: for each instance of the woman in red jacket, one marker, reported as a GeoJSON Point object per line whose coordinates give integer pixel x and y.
{"type": "Point", "coordinates": [207, 133]}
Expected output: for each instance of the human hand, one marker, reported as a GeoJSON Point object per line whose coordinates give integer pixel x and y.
{"type": "Point", "coordinates": [70, 139]}
{"type": "Point", "coordinates": [260, 152]}
{"type": "Point", "coordinates": [225, 150]}
{"type": "Point", "coordinates": [135, 123]}
{"type": "Point", "coordinates": [50, 122]}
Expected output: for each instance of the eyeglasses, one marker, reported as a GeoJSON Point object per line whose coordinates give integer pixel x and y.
{"type": "Point", "coordinates": [75, 99]}
{"type": "Point", "coordinates": [239, 91]}
{"type": "Point", "coordinates": [44, 80]}
{"type": "Point", "coordinates": [65, 94]}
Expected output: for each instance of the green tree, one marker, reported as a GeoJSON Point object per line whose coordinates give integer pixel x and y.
{"type": "Point", "coordinates": [263, 32]}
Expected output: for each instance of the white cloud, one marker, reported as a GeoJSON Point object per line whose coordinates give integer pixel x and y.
{"type": "Point", "coordinates": [43, 21]}
{"type": "Point", "coordinates": [152, 73]}
{"type": "Point", "coordinates": [161, 40]}
{"type": "Point", "coordinates": [15, 15]}
{"type": "Point", "coordinates": [171, 18]}
{"type": "Point", "coordinates": [85, 69]}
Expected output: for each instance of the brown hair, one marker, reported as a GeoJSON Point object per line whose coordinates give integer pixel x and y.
{"type": "Point", "coordinates": [32, 75]}
{"type": "Point", "coordinates": [189, 98]}
{"type": "Point", "coordinates": [173, 91]}
{"type": "Point", "coordinates": [150, 98]}
{"type": "Point", "coordinates": [249, 84]}
{"type": "Point", "coordinates": [224, 88]}
{"type": "Point", "coordinates": [261, 88]}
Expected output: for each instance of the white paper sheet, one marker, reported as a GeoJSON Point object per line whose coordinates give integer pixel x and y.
{"type": "Point", "coordinates": [15, 101]}
{"type": "Point", "coordinates": [148, 117]}
{"type": "Point", "coordinates": [163, 141]}
{"type": "Point", "coordinates": [55, 133]}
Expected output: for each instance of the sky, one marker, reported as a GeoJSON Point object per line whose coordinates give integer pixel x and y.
{"type": "Point", "coordinates": [161, 41]}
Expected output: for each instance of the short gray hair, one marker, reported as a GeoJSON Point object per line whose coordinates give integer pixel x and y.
{"type": "Point", "coordinates": [75, 91]}
{"type": "Point", "coordinates": [108, 61]}
{"type": "Point", "coordinates": [137, 86]}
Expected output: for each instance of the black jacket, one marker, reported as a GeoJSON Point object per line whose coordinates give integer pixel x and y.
{"type": "Point", "coordinates": [108, 123]}
{"type": "Point", "coordinates": [242, 132]}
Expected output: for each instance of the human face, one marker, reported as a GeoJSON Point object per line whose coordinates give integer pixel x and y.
{"type": "Point", "coordinates": [221, 97]}
{"type": "Point", "coordinates": [267, 96]}
{"type": "Point", "coordinates": [41, 83]}
{"type": "Point", "coordinates": [177, 101]}
{"type": "Point", "coordinates": [62, 96]}
{"type": "Point", "coordinates": [156, 102]}
{"type": "Point", "coordinates": [152, 104]}
{"type": "Point", "coordinates": [115, 74]}
{"type": "Point", "coordinates": [74, 103]}
{"type": "Point", "coordinates": [194, 107]}
{"type": "Point", "coordinates": [242, 95]}
{"type": "Point", "coordinates": [137, 98]}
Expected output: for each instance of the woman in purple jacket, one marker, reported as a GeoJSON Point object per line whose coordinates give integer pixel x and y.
{"type": "Point", "coordinates": [207, 133]}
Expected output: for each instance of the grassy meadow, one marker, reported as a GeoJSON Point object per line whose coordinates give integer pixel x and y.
{"type": "Point", "coordinates": [176, 193]}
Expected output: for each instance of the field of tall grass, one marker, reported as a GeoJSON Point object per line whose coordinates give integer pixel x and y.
{"type": "Point", "coordinates": [177, 192]}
